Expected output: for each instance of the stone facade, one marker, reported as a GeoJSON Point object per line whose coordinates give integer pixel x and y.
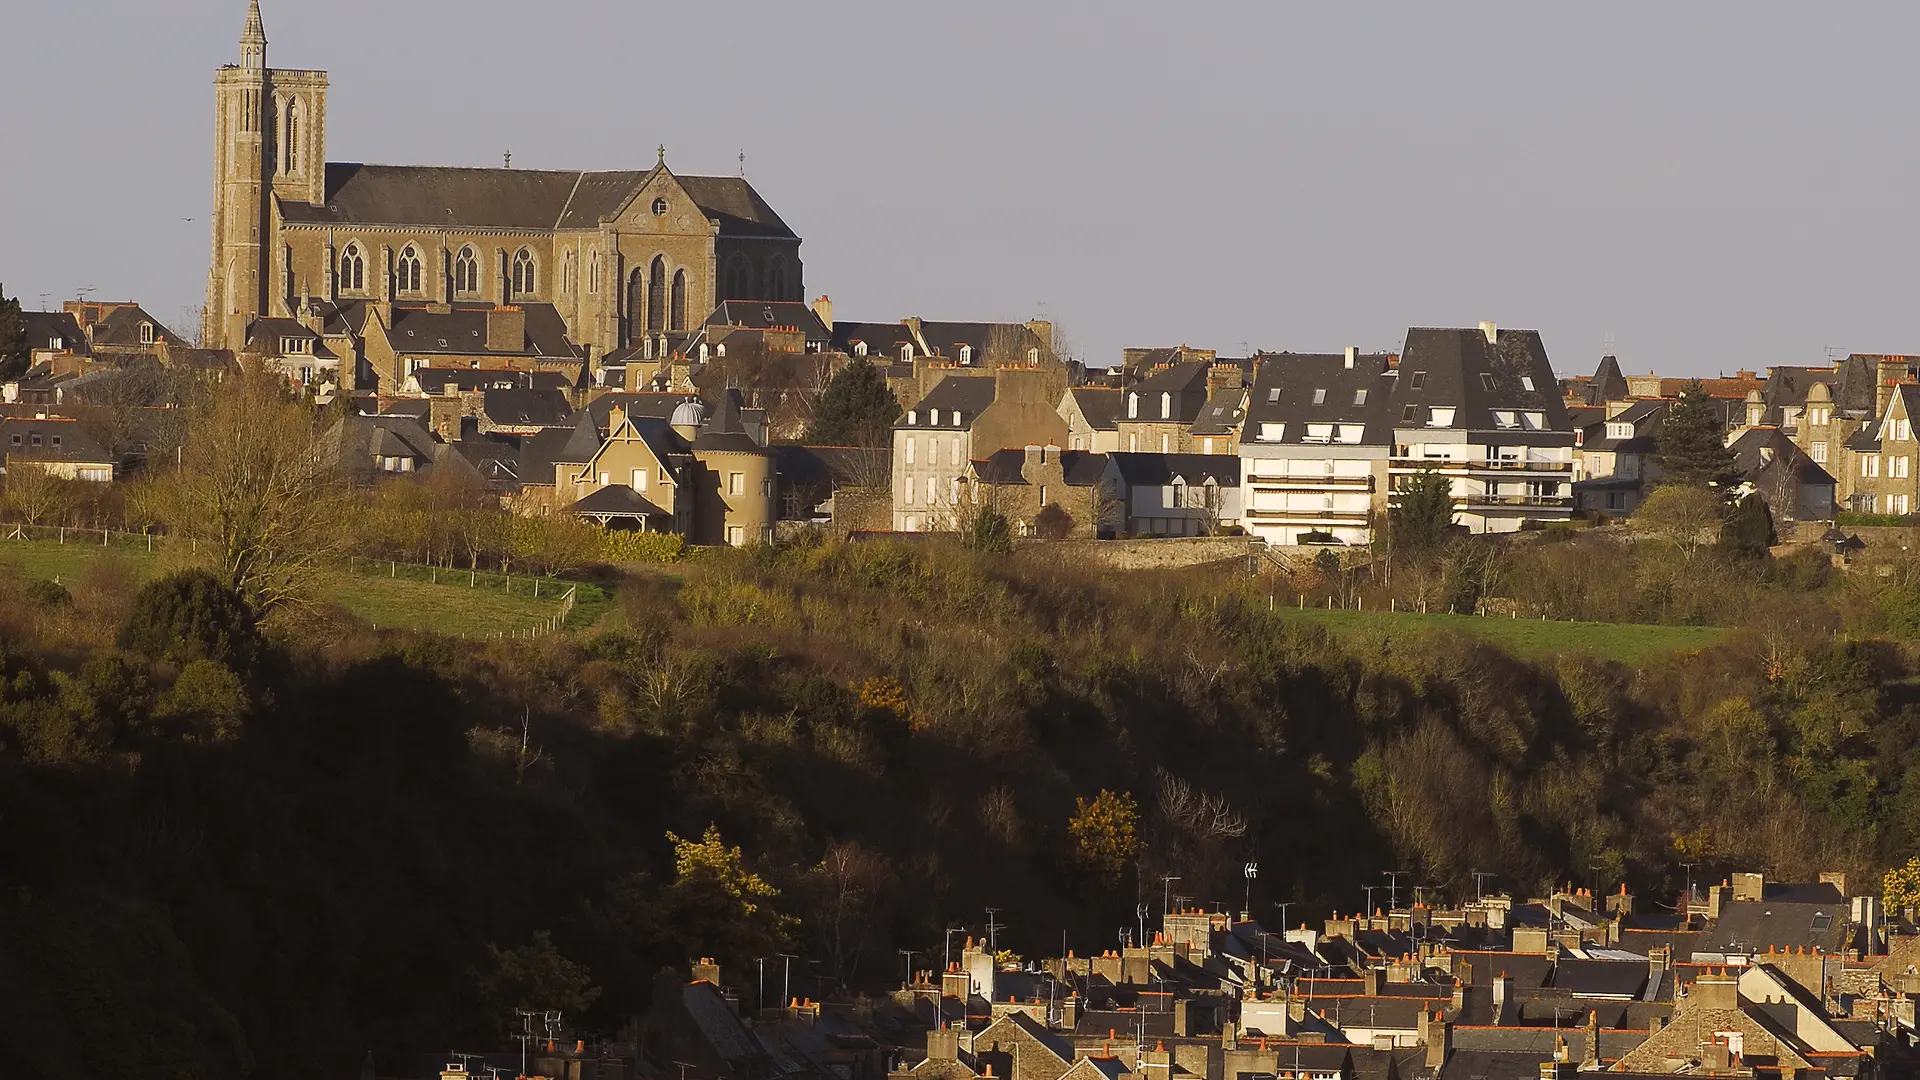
{"type": "Point", "coordinates": [631, 260]}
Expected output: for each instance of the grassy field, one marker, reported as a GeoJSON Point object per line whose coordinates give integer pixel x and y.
{"type": "Point", "coordinates": [449, 606]}
{"type": "Point", "coordinates": [1630, 643]}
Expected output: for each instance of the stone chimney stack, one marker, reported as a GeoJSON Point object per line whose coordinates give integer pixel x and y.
{"type": "Point", "coordinates": [823, 308]}
{"type": "Point", "coordinates": [1492, 330]}
{"type": "Point", "coordinates": [1436, 1034]}
{"type": "Point", "coordinates": [1353, 353]}
{"type": "Point", "coordinates": [506, 330]}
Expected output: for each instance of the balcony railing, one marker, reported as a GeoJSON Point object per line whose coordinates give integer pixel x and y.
{"type": "Point", "coordinates": [1562, 501]}
{"type": "Point", "coordinates": [1312, 481]}
{"type": "Point", "coordinates": [1305, 515]}
{"type": "Point", "coordinates": [1479, 465]}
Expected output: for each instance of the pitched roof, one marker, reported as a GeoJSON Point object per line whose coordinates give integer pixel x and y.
{"type": "Point", "coordinates": [46, 327]}
{"type": "Point", "coordinates": [1601, 978]}
{"type": "Point", "coordinates": [1754, 925]}
{"type": "Point", "coordinates": [1007, 467]}
{"type": "Point", "coordinates": [956, 401]}
{"type": "Point", "coordinates": [435, 380]}
{"type": "Point", "coordinates": [769, 314]}
{"type": "Point", "coordinates": [1098, 404]}
{"type": "Point", "coordinates": [1222, 412]}
{"type": "Point", "coordinates": [1135, 469]}
{"type": "Point", "coordinates": [529, 200]}
{"type": "Point", "coordinates": [1460, 369]}
{"type": "Point", "coordinates": [527, 408]}
{"type": "Point", "coordinates": [1766, 449]}
{"type": "Point", "coordinates": [121, 326]}
{"type": "Point", "coordinates": [1186, 388]}
{"type": "Point", "coordinates": [51, 438]}
{"type": "Point", "coordinates": [463, 331]}
{"type": "Point", "coordinates": [1296, 389]}
{"type": "Point", "coordinates": [616, 500]}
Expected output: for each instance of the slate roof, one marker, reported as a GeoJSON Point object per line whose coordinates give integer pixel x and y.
{"type": "Point", "coordinates": [1750, 463]}
{"type": "Point", "coordinates": [1222, 413]}
{"type": "Point", "coordinates": [1754, 925]}
{"type": "Point", "coordinates": [1494, 1064]}
{"type": "Point", "coordinates": [121, 327]}
{"type": "Point", "coordinates": [1523, 969]}
{"type": "Point", "coordinates": [880, 338]}
{"type": "Point", "coordinates": [724, 431]}
{"type": "Point", "coordinates": [1868, 437]}
{"type": "Point", "coordinates": [1006, 467]}
{"type": "Point", "coordinates": [435, 380]}
{"type": "Point", "coordinates": [1286, 385]}
{"type": "Point", "coordinates": [59, 439]}
{"type": "Point", "coordinates": [617, 500]}
{"type": "Point", "coordinates": [527, 408]}
{"type": "Point", "coordinates": [1138, 469]}
{"type": "Point", "coordinates": [1607, 384]}
{"type": "Point", "coordinates": [527, 200]}
{"type": "Point", "coordinates": [1187, 383]}
{"type": "Point", "coordinates": [768, 314]}
{"type": "Point", "coordinates": [497, 460]}
{"type": "Point", "coordinates": [539, 452]}
{"type": "Point", "coordinates": [1600, 978]}
{"type": "Point", "coordinates": [1099, 405]}
{"type": "Point", "coordinates": [970, 395]}
{"type": "Point", "coordinates": [268, 335]}
{"type": "Point", "coordinates": [44, 327]}
{"type": "Point", "coordinates": [463, 331]}
{"type": "Point", "coordinates": [1458, 368]}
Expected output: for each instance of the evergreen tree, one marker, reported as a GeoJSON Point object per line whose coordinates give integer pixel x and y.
{"type": "Point", "coordinates": [1421, 517]}
{"type": "Point", "coordinates": [856, 408]}
{"type": "Point", "coordinates": [1691, 448]}
{"type": "Point", "coordinates": [1748, 530]}
{"type": "Point", "coordinates": [13, 336]}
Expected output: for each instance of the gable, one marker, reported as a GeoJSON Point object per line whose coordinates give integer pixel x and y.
{"type": "Point", "coordinates": [684, 216]}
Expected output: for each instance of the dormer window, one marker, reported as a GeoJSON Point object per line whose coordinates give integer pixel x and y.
{"type": "Point", "coordinates": [956, 423]}
{"type": "Point", "coordinates": [859, 348]}
{"type": "Point", "coordinates": [1504, 418]}
{"type": "Point", "coordinates": [659, 208]}
{"type": "Point", "coordinates": [1486, 381]}
{"type": "Point", "coordinates": [1133, 406]}
{"type": "Point", "coordinates": [146, 333]}
{"type": "Point", "coordinates": [1166, 405]}
{"type": "Point", "coordinates": [913, 417]}
{"type": "Point", "coordinates": [906, 354]}
{"type": "Point", "coordinates": [1533, 421]}
{"type": "Point", "coordinates": [1526, 383]}
{"type": "Point", "coordinates": [966, 354]}
{"type": "Point", "coordinates": [1319, 395]}
{"type": "Point", "coordinates": [1440, 416]}
{"type": "Point", "coordinates": [57, 343]}
{"type": "Point", "coordinates": [1360, 396]}
{"type": "Point", "coordinates": [1619, 431]}
{"type": "Point", "coordinates": [933, 417]}
{"type": "Point", "coordinates": [296, 346]}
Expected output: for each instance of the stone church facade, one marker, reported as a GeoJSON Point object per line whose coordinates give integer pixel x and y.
{"type": "Point", "coordinates": [631, 261]}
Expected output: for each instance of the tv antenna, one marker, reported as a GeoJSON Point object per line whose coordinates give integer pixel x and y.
{"type": "Point", "coordinates": [1251, 870]}
{"type": "Point", "coordinates": [1393, 886]}
{"type": "Point", "coordinates": [743, 164]}
{"type": "Point", "coordinates": [907, 955]}
{"type": "Point", "coordinates": [993, 930]}
{"type": "Point", "coordinates": [1140, 913]}
{"type": "Point", "coordinates": [1166, 884]}
{"type": "Point", "coordinates": [1479, 884]}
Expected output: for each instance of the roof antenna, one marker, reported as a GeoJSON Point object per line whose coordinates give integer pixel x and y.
{"type": "Point", "coordinates": [743, 164]}
{"type": "Point", "coordinates": [507, 160]}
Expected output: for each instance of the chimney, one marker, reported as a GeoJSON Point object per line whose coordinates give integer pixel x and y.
{"type": "Point", "coordinates": [707, 969]}
{"type": "Point", "coordinates": [1182, 1018]}
{"type": "Point", "coordinates": [1837, 879]}
{"type": "Point", "coordinates": [1751, 887]}
{"type": "Point", "coordinates": [1590, 1054]}
{"type": "Point", "coordinates": [1035, 455]}
{"type": "Point", "coordinates": [1620, 903]}
{"type": "Point", "coordinates": [1374, 980]}
{"type": "Point", "coordinates": [1715, 990]}
{"type": "Point", "coordinates": [1353, 353]}
{"type": "Point", "coordinates": [1437, 1036]}
{"type": "Point", "coordinates": [943, 1044]}
{"type": "Point", "coordinates": [506, 330]}
{"type": "Point", "coordinates": [823, 308]}
{"type": "Point", "coordinates": [1070, 1011]}
{"type": "Point", "coordinates": [1500, 986]}
{"type": "Point", "coordinates": [1492, 330]}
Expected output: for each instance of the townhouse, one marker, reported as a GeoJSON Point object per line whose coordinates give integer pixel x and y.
{"type": "Point", "coordinates": [1314, 456]}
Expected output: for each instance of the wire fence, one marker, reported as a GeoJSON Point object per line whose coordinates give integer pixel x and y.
{"type": "Point", "coordinates": [535, 586]}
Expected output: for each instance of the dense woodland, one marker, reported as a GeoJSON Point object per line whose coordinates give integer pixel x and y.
{"type": "Point", "coordinates": [232, 850]}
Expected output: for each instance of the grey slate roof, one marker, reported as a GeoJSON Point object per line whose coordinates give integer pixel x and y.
{"type": "Point", "coordinates": [1753, 925]}
{"type": "Point", "coordinates": [435, 380]}
{"type": "Point", "coordinates": [1221, 413]}
{"type": "Point", "coordinates": [1449, 364]}
{"type": "Point", "coordinates": [53, 439]}
{"type": "Point", "coordinates": [1750, 463]}
{"type": "Point", "coordinates": [765, 314]}
{"type": "Point", "coordinates": [1150, 469]}
{"type": "Point", "coordinates": [528, 200]}
{"type": "Point", "coordinates": [1601, 978]}
{"type": "Point", "coordinates": [970, 395]}
{"type": "Point", "coordinates": [524, 408]}
{"type": "Point", "coordinates": [1286, 385]}
{"type": "Point", "coordinates": [121, 326]}
{"type": "Point", "coordinates": [1098, 404]}
{"type": "Point", "coordinates": [1078, 467]}
{"type": "Point", "coordinates": [617, 500]}
{"type": "Point", "coordinates": [1186, 384]}
{"type": "Point", "coordinates": [45, 327]}
{"type": "Point", "coordinates": [464, 330]}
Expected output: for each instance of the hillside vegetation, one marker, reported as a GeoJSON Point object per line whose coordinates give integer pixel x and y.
{"type": "Point", "coordinates": [228, 853]}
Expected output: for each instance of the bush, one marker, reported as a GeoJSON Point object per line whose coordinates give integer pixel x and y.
{"type": "Point", "coordinates": [1052, 523]}
{"type": "Point", "coordinates": [192, 616]}
{"type": "Point", "coordinates": [617, 546]}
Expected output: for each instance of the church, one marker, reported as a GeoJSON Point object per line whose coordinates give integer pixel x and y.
{"type": "Point", "coordinates": [629, 263]}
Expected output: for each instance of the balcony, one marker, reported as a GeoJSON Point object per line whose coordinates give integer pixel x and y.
{"type": "Point", "coordinates": [1307, 516]}
{"type": "Point", "coordinates": [1414, 464]}
{"type": "Point", "coordinates": [1562, 502]}
{"type": "Point", "coordinates": [1300, 483]}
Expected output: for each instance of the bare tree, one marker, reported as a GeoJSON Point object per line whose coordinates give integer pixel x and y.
{"type": "Point", "coordinates": [256, 488]}
{"type": "Point", "coordinates": [1198, 812]}
{"type": "Point", "coordinates": [37, 496]}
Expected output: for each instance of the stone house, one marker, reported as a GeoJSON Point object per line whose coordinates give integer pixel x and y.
{"type": "Point", "coordinates": [707, 480]}
{"type": "Point", "coordinates": [1881, 457]}
{"type": "Point", "coordinates": [1613, 457]}
{"type": "Point", "coordinates": [1090, 413]}
{"type": "Point", "coordinates": [962, 418]}
{"type": "Point", "coordinates": [1773, 465]}
{"type": "Point", "coordinates": [1021, 481]}
{"type": "Point", "coordinates": [1157, 414]}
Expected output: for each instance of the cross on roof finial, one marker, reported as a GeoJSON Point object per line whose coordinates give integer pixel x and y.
{"type": "Point", "coordinates": [663, 153]}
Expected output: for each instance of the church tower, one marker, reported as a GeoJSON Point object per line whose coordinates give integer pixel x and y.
{"type": "Point", "coordinates": [269, 140]}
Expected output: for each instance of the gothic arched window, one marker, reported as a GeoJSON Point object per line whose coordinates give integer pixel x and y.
{"type": "Point", "coordinates": [353, 268]}
{"type": "Point", "coordinates": [570, 273]}
{"type": "Point", "coordinates": [293, 136]}
{"type": "Point", "coordinates": [636, 302]}
{"type": "Point", "coordinates": [776, 281]}
{"type": "Point", "coordinates": [738, 275]}
{"type": "Point", "coordinates": [679, 313]}
{"type": "Point", "coordinates": [593, 272]}
{"type": "Point", "coordinates": [657, 295]}
{"type": "Point", "coordinates": [523, 273]}
{"type": "Point", "coordinates": [408, 277]}
{"type": "Point", "coordinates": [466, 272]}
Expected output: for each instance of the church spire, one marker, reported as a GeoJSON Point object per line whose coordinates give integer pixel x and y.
{"type": "Point", "coordinates": [253, 40]}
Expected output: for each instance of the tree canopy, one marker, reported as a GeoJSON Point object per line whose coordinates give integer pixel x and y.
{"type": "Point", "coordinates": [14, 352]}
{"type": "Point", "coordinates": [1691, 446]}
{"type": "Point", "coordinates": [1421, 517]}
{"type": "Point", "coordinates": [855, 409]}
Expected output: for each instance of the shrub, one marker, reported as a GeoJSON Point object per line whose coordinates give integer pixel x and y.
{"type": "Point", "coordinates": [619, 546]}
{"type": "Point", "coordinates": [192, 616]}
{"type": "Point", "coordinates": [1052, 523]}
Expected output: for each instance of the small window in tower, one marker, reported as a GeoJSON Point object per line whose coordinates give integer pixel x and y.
{"type": "Point", "coordinates": [659, 208]}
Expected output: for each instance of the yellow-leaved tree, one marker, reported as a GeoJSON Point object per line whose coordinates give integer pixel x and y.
{"type": "Point", "coordinates": [1106, 833]}
{"type": "Point", "coordinates": [717, 907]}
{"type": "Point", "coordinates": [1900, 889]}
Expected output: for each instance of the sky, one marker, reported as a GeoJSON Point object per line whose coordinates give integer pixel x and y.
{"type": "Point", "coordinates": [1703, 186]}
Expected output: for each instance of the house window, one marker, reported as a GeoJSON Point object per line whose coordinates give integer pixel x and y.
{"type": "Point", "coordinates": [736, 483]}
{"type": "Point", "coordinates": [523, 273]}
{"type": "Point", "coordinates": [1869, 465]}
{"type": "Point", "coordinates": [1440, 416]}
{"type": "Point", "coordinates": [1896, 504]}
{"type": "Point", "coordinates": [353, 268]}
{"type": "Point", "coordinates": [859, 348]}
{"type": "Point", "coordinates": [146, 333]}
{"type": "Point", "coordinates": [966, 354]}
{"type": "Point", "coordinates": [466, 272]}
{"type": "Point", "coordinates": [906, 494]}
{"type": "Point", "coordinates": [1533, 421]}
{"type": "Point", "coordinates": [1133, 442]}
{"type": "Point", "coordinates": [1273, 394]}
{"type": "Point", "coordinates": [1486, 381]}
{"type": "Point", "coordinates": [1179, 494]}
{"type": "Point", "coordinates": [1166, 405]}
{"type": "Point", "coordinates": [1320, 395]}
{"type": "Point", "coordinates": [1166, 444]}
{"type": "Point", "coordinates": [1043, 494]}
{"type": "Point", "coordinates": [909, 446]}
{"type": "Point", "coordinates": [1351, 433]}
{"type": "Point", "coordinates": [639, 479]}
{"type": "Point", "coordinates": [737, 535]}
{"type": "Point", "coordinates": [1408, 414]}
{"type": "Point", "coordinates": [1819, 452]}
{"type": "Point", "coordinates": [1897, 467]}
{"type": "Point", "coordinates": [1319, 433]}
{"type": "Point", "coordinates": [1504, 418]}
{"type": "Point", "coordinates": [906, 354]}
{"type": "Point", "coordinates": [1133, 406]}
{"type": "Point", "coordinates": [1902, 431]}
{"type": "Point", "coordinates": [409, 270]}
{"type": "Point", "coordinates": [1419, 380]}
{"type": "Point", "coordinates": [294, 346]}
{"type": "Point", "coordinates": [659, 208]}
{"type": "Point", "coordinates": [953, 449]}
{"type": "Point", "coordinates": [1360, 397]}
{"type": "Point", "coordinates": [1526, 383]}
{"type": "Point", "coordinates": [933, 491]}
{"type": "Point", "coordinates": [1208, 444]}
{"type": "Point", "coordinates": [1272, 432]}
{"type": "Point", "coordinates": [766, 489]}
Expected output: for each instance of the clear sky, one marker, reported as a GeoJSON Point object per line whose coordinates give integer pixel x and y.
{"type": "Point", "coordinates": [1709, 185]}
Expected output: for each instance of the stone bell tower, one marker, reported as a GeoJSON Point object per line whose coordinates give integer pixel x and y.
{"type": "Point", "coordinates": [269, 140]}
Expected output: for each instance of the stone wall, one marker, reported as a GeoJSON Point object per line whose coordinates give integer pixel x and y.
{"type": "Point", "coordinates": [1163, 553]}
